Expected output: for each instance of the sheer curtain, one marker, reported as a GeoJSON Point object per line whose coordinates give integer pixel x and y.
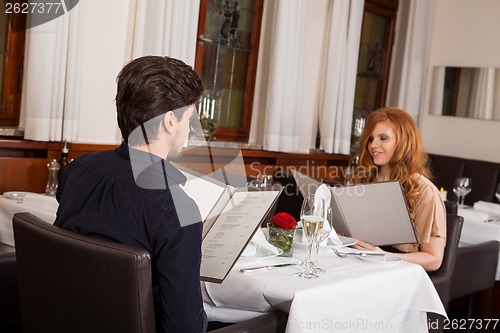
{"type": "Point", "coordinates": [60, 71]}
{"type": "Point", "coordinates": [307, 79]}
{"type": "Point", "coordinates": [287, 21]}
{"type": "Point", "coordinates": [166, 27]}
{"type": "Point", "coordinates": [410, 56]}
{"type": "Point", "coordinates": [339, 75]}
{"type": "Point", "coordinates": [51, 78]}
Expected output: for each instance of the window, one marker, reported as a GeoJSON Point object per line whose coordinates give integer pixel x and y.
{"type": "Point", "coordinates": [12, 33]}
{"type": "Point", "coordinates": [377, 37]}
{"type": "Point", "coordinates": [226, 59]}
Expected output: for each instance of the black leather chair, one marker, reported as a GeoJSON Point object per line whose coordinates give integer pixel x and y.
{"type": "Point", "coordinates": [442, 277]}
{"type": "Point", "coordinates": [10, 310]}
{"type": "Point", "coordinates": [290, 199]}
{"type": "Point", "coordinates": [74, 283]}
{"type": "Point", "coordinates": [451, 207]}
{"type": "Point", "coordinates": [474, 272]}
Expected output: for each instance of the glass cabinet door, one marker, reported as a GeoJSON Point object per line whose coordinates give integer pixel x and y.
{"type": "Point", "coordinates": [226, 60]}
{"type": "Point", "coordinates": [12, 35]}
{"type": "Point", "coordinates": [375, 49]}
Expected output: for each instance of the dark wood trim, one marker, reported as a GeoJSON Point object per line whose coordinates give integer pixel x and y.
{"type": "Point", "coordinates": [202, 21]}
{"type": "Point", "coordinates": [13, 71]}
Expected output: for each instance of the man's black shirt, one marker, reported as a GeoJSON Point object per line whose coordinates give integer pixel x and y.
{"type": "Point", "coordinates": [99, 196]}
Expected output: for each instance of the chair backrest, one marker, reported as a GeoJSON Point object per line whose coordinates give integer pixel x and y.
{"type": "Point", "coordinates": [442, 277]}
{"type": "Point", "coordinates": [475, 268]}
{"type": "Point", "coordinates": [74, 283]}
{"type": "Point", "coordinates": [10, 311]}
{"type": "Point", "coordinates": [451, 207]}
{"type": "Point", "coordinates": [454, 225]}
{"type": "Point", "coordinates": [290, 199]}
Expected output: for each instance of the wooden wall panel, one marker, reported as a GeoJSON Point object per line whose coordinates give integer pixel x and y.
{"type": "Point", "coordinates": [23, 174]}
{"type": "Point", "coordinates": [23, 163]}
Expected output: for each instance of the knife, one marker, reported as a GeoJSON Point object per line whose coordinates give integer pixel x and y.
{"type": "Point", "coordinates": [264, 268]}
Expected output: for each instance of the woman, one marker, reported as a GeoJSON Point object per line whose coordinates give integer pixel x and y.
{"type": "Point", "coordinates": [391, 149]}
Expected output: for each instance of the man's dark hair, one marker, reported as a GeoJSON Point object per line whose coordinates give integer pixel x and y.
{"type": "Point", "coordinates": [151, 86]}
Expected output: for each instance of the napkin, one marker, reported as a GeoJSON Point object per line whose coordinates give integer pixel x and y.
{"type": "Point", "coordinates": [472, 214]}
{"type": "Point", "coordinates": [487, 207]}
{"type": "Point", "coordinates": [41, 201]}
{"type": "Point", "coordinates": [258, 240]}
{"type": "Point", "coordinates": [323, 192]}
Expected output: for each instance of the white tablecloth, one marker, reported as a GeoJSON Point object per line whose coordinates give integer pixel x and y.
{"type": "Point", "coordinates": [475, 230]}
{"type": "Point", "coordinates": [43, 207]}
{"type": "Point", "coordinates": [353, 295]}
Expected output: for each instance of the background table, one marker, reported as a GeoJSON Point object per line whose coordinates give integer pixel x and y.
{"type": "Point", "coordinates": [351, 295]}
{"type": "Point", "coordinates": [8, 207]}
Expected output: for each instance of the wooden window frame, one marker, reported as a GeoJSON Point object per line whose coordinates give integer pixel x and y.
{"type": "Point", "coordinates": [10, 106]}
{"type": "Point", "coordinates": [242, 133]}
{"type": "Point", "coordinates": [389, 10]}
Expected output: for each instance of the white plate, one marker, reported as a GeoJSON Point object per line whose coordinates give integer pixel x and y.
{"type": "Point", "coordinates": [19, 196]}
{"type": "Point", "coordinates": [346, 241]}
{"type": "Point", "coordinates": [387, 259]}
{"type": "Point", "coordinates": [262, 254]}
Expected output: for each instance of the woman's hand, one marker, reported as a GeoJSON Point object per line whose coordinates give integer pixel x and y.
{"type": "Point", "coordinates": [365, 246]}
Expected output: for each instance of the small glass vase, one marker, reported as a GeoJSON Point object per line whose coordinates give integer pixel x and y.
{"type": "Point", "coordinates": [281, 238]}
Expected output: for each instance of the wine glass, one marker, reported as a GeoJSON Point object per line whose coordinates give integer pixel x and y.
{"type": "Point", "coordinates": [497, 193]}
{"type": "Point", "coordinates": [461, 188]}
{"type": "Point", "coordinates": [322, 234]}
{"type": "Point", "coordinates": [312, 218]}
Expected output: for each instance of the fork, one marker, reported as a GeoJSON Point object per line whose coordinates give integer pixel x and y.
{"type": "Point", "coordinates": [359, 254]}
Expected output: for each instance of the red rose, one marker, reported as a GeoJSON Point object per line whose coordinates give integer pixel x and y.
{"type": "Point", "coordinates": [284, 220]}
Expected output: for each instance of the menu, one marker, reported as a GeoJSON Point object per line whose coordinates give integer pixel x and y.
{"type": "Point", "coordinates": [228, 236]}
{"type": "Point", "coordinates": [230, 218]}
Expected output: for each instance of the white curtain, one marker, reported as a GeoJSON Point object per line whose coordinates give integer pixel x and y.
{"type": "Point", "coordinates": [284, 96]}
{"type": "Point", "coordinates": [166, 27]}
{"type": "Point", "coordinates": [410, 56]}
{"type": "Point", "coordinates": [307, 80]}
{"type": "Point", "coordinates": [339, 75]}
{"type": "Point", "coordinates": [51, 78]}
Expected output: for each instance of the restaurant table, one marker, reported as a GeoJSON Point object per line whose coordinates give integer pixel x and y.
{"type": "Point", "coordinates": [475, 230]}
{"type": "Point", "coordinates": [352, 295]}
{"type": "Point", "coordinates": [42, 206]}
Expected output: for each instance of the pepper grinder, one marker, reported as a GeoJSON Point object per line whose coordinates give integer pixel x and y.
{"type": "Point", "coordinates": [52, 182]}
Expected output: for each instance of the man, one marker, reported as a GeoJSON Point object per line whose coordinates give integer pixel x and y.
{"type": "Point", "coordinates": [133, 195]}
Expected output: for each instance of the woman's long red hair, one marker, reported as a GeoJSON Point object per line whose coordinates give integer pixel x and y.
{"type": "Point", "coordinates": [409, 157]}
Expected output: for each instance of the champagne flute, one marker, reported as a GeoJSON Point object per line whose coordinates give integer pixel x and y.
{"type": "Point", "coordinates": [461, 188]}
{"type": "Point", "coordinates": [312, 218]}
{"type": "Point", "coordinates": [323, 234]}
{"type": "Point", "coordinates": [497, 193]}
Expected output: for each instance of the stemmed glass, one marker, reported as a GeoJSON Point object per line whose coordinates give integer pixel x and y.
{"type": "Point", "coordinates": [312, 217]}
{"type": "Point", "coordinates": [497, 193]}
{"type": "Point", "coordinates": [461, 188]}
{"type": "Point", "coordinates": [322, 234]}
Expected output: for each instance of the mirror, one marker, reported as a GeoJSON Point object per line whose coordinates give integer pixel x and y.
{"type": "Point", "coordinates": [470, 92]}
